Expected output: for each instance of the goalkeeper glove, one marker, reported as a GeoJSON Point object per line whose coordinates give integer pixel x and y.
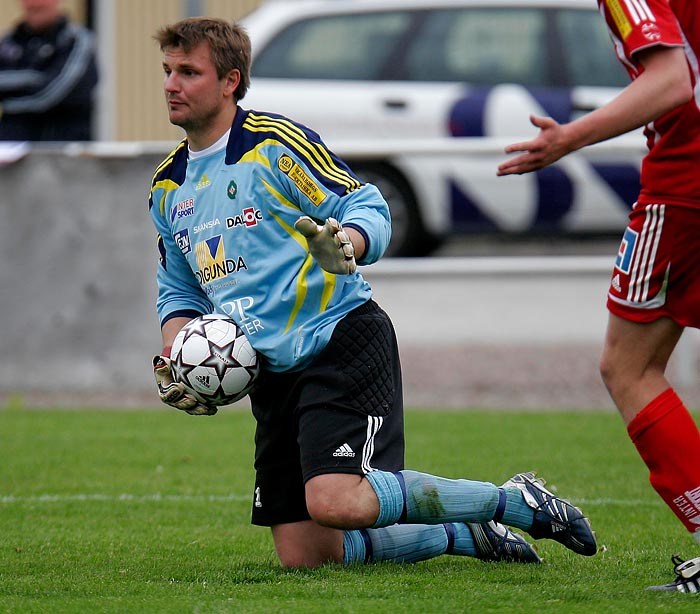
{"type": "Point", "coordinates": [329, 245]}
{"type": "Point", "coordinates": [174, 393]}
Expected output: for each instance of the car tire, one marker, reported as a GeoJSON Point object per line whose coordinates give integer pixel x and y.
{"type": "Point", "coordinates": [409, 238]}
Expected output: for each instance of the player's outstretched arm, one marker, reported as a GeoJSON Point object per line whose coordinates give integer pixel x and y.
{"type": "Point", "coordinates": [664, 85]}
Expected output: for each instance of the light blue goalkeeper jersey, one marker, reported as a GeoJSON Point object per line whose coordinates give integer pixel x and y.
{"type": "Point", "coordinates": [227, 240]}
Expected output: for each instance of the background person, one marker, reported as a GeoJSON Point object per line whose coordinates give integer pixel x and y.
{"type": "Point", "coordinates": [48, 74]}
{"type": "Point", "coordinates": [329, 443]}
{"type": "Point", "coordinates": [655, 287]}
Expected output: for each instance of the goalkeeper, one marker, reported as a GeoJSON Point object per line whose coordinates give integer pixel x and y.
{"type": "Point", "coordinates": [258, 220]}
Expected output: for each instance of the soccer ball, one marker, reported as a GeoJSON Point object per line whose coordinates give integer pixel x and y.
{"type": "Point", "coordinates": [214, 360]}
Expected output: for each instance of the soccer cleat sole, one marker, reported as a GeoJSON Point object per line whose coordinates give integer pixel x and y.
{"type": "Point", "coordinates": [687, 577]}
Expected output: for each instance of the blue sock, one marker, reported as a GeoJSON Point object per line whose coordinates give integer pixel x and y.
{"type": "Point", "coordinates": [420, 498]}
{"type": "Point", "coordinates": [462, 542]}
{"type": "Point", "coordinates": [407, 543]}
{"type": "Point", "coordinates": [517, 513]}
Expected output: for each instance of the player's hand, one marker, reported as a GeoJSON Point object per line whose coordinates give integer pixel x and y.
{"type": "Point", "coordinates": [174, 393]}
{"type": "Point", "coordinates": [551, 144]}
{"type": "Point", "coordinates": [329, 245]}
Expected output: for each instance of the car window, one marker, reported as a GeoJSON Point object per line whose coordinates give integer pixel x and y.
{"type": "Point", "coordinates": [335, 47]}
{"type": "Point", "coordinates": [586, 44]}
{"type": "Point", "coordinates": [480, 46]}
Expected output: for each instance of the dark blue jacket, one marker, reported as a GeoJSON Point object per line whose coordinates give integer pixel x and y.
{"type": "Point", "coordinates": [47, 83]}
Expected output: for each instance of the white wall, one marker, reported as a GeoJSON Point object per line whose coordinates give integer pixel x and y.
{"type": "Point", "coordinates": [77, 300]}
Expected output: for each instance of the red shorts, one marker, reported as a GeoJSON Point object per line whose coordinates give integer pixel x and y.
{"type": "Point", "coordinates": [657, 271]}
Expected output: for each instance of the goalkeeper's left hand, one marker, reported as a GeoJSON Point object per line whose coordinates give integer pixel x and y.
{"type": "Point", "coordinates": [174, 393]}
{"type": "Point", "coordinates": [329, 245]}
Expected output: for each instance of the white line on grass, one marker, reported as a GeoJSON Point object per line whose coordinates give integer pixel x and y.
{"type": "Point", "coordinates": [628, 502]}
{"type": "Point", "coordinates": [124, 497]}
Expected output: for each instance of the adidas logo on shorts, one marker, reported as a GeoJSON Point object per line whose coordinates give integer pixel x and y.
{"type": "Point", "coordinates": [344, 450]}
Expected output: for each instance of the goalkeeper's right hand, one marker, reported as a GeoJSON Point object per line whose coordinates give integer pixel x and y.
{"type": "Point", "coordinates": [174, 393]}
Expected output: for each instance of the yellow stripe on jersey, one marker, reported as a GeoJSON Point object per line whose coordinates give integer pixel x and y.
{"type": "Point", "coordinates": [328, 289]}
{"type": "Point", "coordinates": [306, 184]}
{"type": "Point", "coordinates": [302, 287]}
{"type": "Point", "coordinates": [305, 147]}
{"type": "Point", "coordinates": [293, 232]}
{"type": "Point", "coordinates": [167, 185]}
{"type": "Point", "coordinates": [316, 154]}
{"type": "Point", "coordinates": [168, 160]}
{"type": "Point", "coordinates": [256, 156]}
{"type": "Point", "coordinates": [280, 197]}
{"type": "Point", "coordinates": [619, 17]}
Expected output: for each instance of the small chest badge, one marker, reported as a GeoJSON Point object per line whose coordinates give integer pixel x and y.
{"type": "Point", "coordinates": [232, 190]}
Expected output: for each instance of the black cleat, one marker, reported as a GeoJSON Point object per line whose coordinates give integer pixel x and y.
{"type": "Point", "coordinates": [494, 542]}
{"type": "Point", "coordinates": [687, 577]}
{"type": "Point", "coordinates": [554, 518]}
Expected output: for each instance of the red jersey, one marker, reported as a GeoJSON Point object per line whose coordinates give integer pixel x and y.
{"type": "Point", "coordinates": [671, 170]}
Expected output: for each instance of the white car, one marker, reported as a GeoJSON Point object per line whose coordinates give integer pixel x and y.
{"type": "Point", "coordinates": [420, 97]}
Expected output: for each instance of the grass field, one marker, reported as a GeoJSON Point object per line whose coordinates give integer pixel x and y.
{"type": "Point", "coordinates": [148, 511]}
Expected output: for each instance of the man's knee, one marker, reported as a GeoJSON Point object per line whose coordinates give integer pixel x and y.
{"type": "Point", "coordinates": [342, 501]}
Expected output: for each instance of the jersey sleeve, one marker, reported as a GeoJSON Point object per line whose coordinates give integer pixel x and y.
{"type": "Point", "coordinates": [361, 206]}
{"type": "Point", "coordinates": [640, 24]}
{"type": "Point", "coordinates": [366, 210]}
{"type": "Point", "coordinates": [179, 293]}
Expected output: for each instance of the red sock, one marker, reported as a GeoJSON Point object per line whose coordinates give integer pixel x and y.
{"type": "Point", "coordinates": [668, 441]}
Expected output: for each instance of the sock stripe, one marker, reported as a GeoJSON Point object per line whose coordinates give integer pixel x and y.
{"type": "Point", "coordinates": [369, 550]}
{"type": "Point", "coordinates": [450, 532]}
{"type": "Point", "coordinates": [501, 507]}
{"type": "Point", "coordinates": [402, 484]}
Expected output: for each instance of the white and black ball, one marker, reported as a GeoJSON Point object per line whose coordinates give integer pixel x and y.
{"type": "Point", "coordinates": [214, 359]}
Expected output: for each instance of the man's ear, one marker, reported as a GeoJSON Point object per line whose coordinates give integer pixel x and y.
{"type": "Point", "coordinates": [232, 79]}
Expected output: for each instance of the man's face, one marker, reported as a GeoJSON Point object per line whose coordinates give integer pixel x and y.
{"type": "Point", "coordinates": [40, 14]}
{"type": "Point", "coordinates": [193, 92]}
{"type": "Point", "coordinates": [40, 5]}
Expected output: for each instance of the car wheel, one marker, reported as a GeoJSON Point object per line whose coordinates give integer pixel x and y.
{"type": "Point", "coordinates": [408, 235]}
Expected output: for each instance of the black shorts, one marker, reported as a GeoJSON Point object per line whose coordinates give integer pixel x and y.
{"type": "Point", "coordinates": [343, 414]}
